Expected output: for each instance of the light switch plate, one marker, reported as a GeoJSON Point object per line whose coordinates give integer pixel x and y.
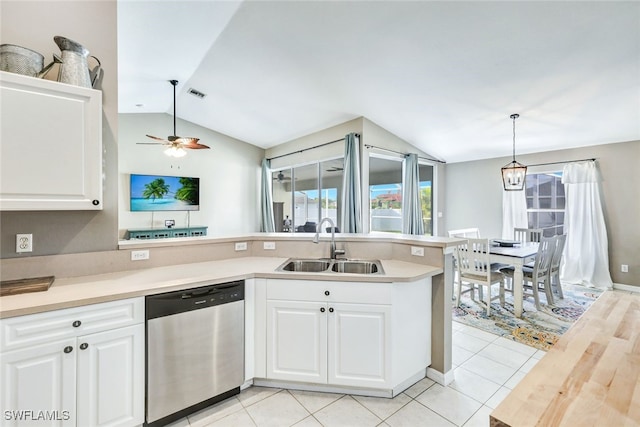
{"type": "Point", "coordinates": [139, 255]}
{"type": "Point", "coordinates": [269, 246]}
{"type": "Point", "coordinates": [241, 246]}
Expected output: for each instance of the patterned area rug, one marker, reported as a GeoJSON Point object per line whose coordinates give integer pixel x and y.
{"type": "Point", "coordinates": [539, 329]}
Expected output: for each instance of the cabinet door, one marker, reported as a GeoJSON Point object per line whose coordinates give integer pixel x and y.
{"type": "Point", "coordinates": [359, 345]}
{"type": "Point", "coordinates": [51, 143]}
{"type": "Point", "coordinates": [297, 341]}
{"type": "Point", "coordinates": [39, 385]}
{"type": "Point", "coordinates": [111, 378]}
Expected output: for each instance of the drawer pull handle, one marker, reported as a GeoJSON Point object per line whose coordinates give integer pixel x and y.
{"type": "Point", "coordinates": [77, 324]}
{"type": "Point", "coordinates": [331, 310]}
{"type": "Point", "coordinates": [327, 293]}
{"type": "Point", "coordinates": [68, 349]}
{"type": "Point", "coordinates": [84, 346]}
{"type": "Point", "coordinates": [321, 309]}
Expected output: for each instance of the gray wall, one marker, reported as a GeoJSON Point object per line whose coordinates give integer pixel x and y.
{"type": "Point", "coordinates": [474, 198]}
{"type": "Point", "coordinates": [33, 24]}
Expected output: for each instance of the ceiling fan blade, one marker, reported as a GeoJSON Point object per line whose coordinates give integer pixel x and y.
{"type": "Point", "coordinates": [153, 143]}
{"type": "Point", "coordinates": [195, 146]}
{"type": "Point", "coordinates": [156, 138]}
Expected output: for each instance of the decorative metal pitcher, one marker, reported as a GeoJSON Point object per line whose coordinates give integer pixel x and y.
{"type": "Point", "coordinates": [74, 67]}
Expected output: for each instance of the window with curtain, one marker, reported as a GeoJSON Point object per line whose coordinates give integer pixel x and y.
{"type": "Point", "coordinates": [546, 202]}
{"type": "Point", "coordinates": [385, 194]}
{"type": "Point", "coordinates": [303, 195]}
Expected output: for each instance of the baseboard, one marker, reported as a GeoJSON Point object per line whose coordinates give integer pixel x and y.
{"type": "Point", "coordinates": [628, 288]}
{"type": "Point", "coordinates": [442, 379]}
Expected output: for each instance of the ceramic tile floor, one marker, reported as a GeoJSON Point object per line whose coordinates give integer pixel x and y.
{"type": "Point", "coordinates": [486, 368]}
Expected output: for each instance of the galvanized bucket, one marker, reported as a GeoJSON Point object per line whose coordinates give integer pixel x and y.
{"type": "Point", "coordinates": [20, 60]}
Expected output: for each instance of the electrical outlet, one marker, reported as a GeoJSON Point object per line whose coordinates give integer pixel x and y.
{"type": "Point", "coordinates": [139, 255]}
{"type": "Point", "coordinates": [269, 246]}
{"type": "Point", "coordinates": [241, 246]}
{"type": "Point", "coordinates": [417, 251]}
{"type": "Point", "coordinates": [624, 268]}
{"type": "Point", "coordinates": [24, 243]}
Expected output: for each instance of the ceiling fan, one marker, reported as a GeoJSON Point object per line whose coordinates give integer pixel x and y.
{"type": "Point", "coordinates": [281, 178]}
{"type": "Point", "coordinates": [176, 144]}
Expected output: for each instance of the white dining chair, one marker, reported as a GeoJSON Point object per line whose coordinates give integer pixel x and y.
{"type": "Point", "coordinates": [464, 233]}
{"type": "Point", "coordinates": [554, 268]}
{"type": "Point", "coordinates": [536, 278]}
{"type": "Point", "coordinates": [474, 270]}
{"type": "Point", "coordinates": [527, 235]}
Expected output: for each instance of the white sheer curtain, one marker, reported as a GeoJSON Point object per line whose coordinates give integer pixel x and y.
{"type": "Point", "coordinates": [514, 212]}
{"type": "Point", "coordinates": [586, 255]}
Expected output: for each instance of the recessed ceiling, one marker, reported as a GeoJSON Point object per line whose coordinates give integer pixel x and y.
{"type": "Point", "coordinates": [444, 76]}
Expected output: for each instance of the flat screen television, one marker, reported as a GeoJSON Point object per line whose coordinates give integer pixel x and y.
{"type": "Point", "coordinates": [164, 193]}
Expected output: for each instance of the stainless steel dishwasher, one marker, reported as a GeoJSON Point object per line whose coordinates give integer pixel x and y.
{"type": "Point", "coordinates": [195, 350]}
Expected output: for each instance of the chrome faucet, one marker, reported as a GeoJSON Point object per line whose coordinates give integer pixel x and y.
{"type": "Point", "coordinates": [334, 252]}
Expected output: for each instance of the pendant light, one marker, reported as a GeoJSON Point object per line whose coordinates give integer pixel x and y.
{"type": "Point", "coordinates": [514, 173]}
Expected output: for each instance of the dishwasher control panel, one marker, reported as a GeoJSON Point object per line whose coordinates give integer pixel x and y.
{"type": "Point", "coordinates": [169, 303]}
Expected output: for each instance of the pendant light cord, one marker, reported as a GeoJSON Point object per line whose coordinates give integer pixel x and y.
{"type": "Point", "coordinates": [514, 117]}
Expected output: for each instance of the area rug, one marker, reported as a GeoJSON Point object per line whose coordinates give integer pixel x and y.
{"type": "Point", "coordinates": [540, 329]}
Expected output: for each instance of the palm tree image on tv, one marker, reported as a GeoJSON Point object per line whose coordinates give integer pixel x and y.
{"type": "Point", "coordinates": [156, 189]}
{"type": "Point", "coordinates": [164, 193]}
{"type": "Point", "coordinates": [190, 190]}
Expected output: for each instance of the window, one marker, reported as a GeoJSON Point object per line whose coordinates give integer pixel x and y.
{"type": "Point", "coordinates": [546, 202]}
{"type": "Point", "coordinates": [385, 195]}
{"type": "Point", "coordinates": [303, 195]}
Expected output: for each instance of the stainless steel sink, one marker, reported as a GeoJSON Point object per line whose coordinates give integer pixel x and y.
{"type": "Point", "coordinates": [332, 266]}
{"type": "Point", "coordinates": [356, 266]}
{"type": "Point", "coordinates": [306, 265]}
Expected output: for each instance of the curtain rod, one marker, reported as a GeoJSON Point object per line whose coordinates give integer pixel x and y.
{"type": "Point", "coordinates": [566, 161]}
{"type": "Point", "coordinates": [404, 154]}
{"type": "Point", "coordinates": [309, 148]}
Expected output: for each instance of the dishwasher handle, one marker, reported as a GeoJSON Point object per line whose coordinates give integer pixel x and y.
{"type": "Point", "coordinates": [197, 293]}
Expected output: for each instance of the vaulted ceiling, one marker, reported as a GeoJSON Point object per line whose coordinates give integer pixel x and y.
{"type": "Point", "coordinates": [444, 76]}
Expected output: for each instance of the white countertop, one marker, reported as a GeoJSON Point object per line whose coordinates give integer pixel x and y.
{"type": "Point", "coordinates": [77, 291]}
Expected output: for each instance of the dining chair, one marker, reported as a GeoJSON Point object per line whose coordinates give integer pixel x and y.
{"type": "Point", "coordinates": [554, 268]}
{"type": "Point", "coordinates": [536, 278]}
{"type": "Point", "coordinates": [465, 233]}
{"type": "Point", "coordinates": [527, 235]}
{"type": "Point", "coordinates": [474, 270]}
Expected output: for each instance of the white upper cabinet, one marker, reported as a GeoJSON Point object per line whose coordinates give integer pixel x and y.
{"type": "Point", "coordinates": [50, 145]}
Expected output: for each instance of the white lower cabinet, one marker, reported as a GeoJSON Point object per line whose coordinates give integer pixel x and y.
{"type": "Point", "coordinates": [358, 345]}
{"type": "Point", "coordinates": [325, 342]}
{"type": "Point", "coordinates": [92, 379]}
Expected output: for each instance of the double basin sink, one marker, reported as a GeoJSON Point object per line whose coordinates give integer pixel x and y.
{"type": "Point", "coordinates": [326, 265]}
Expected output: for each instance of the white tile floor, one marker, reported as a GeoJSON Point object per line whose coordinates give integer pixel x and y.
{"type": "Point", "coordinates": [486, 368]}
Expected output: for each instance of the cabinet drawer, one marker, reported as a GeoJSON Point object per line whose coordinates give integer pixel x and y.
{"type": "Point", "coordinates": [316, 290]}
{"type": "Point", "coordinates": [23, 331]}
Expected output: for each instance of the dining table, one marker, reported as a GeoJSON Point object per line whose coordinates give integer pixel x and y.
{"type": "Point", "coordinates": [517, 256]}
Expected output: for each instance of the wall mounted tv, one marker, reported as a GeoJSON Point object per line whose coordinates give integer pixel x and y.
{"type": "Point", "coordinates": [164, 193]}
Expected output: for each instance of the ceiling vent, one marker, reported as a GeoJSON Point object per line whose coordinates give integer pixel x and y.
{"type": "Point", "coordinates": [197, 93]}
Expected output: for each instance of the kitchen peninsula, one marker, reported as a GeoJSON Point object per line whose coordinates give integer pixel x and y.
{"type": "Point", "coordinates": [411, 287]}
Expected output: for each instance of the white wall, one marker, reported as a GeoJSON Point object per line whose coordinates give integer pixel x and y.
{"type": "Point", "coordinates": [229, 175]}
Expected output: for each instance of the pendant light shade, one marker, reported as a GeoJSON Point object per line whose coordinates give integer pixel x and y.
{"type": "Point", "coordinates": [514, 173]}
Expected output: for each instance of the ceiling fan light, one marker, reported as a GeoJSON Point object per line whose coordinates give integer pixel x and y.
{"type": "Point", "coordinates": [174, 151]}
